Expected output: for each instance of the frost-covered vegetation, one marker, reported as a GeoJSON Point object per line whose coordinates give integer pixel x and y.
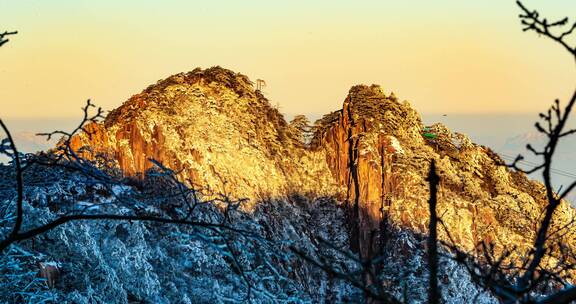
{"type": "Point", "coordinates": [110, 261]}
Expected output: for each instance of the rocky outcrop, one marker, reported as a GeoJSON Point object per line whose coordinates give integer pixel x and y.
{"type": "Point", "coordinates": [362, 143]}
{"type": "Point", "coordinates": [219, 133]}
{"type": "Point", "coordinates": [223, 136]}
{"type": "Point", "coordinates": [376, 148]}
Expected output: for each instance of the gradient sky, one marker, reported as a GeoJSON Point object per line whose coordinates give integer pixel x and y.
{"type": "Point", "coordinates": [443, 56]}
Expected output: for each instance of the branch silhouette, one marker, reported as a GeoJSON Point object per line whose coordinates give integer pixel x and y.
{"type": "Point", "coordinates": [515, 283]}
{"type": "Point", "coordinates": [3, 39]}
{"type": "Point", "coordinates": [557, 31]}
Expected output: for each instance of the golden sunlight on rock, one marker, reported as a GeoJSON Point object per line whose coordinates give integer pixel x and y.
{"type": "Point", "coordinates": [221, 135]}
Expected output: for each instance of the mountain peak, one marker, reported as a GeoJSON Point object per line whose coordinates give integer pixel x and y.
{"type": "Point", "coordinates": [370, 107]}
{"type": "Point", "coordinates": [240, 83]}
{"type": "Point", "coordinates": [216, 129]}
{"type": "Point", "coordinates": [165, 94]}
{"type": "Point", "coordinates": [223, 136]}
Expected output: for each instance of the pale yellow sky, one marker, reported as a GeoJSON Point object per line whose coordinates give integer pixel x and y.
{"type": "Point", "coordinates": [443, 56]}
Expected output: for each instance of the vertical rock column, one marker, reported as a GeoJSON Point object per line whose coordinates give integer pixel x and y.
{"type": "Point", "coordinates": [360, 159]}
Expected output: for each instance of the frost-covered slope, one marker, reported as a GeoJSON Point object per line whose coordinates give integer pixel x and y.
{"type": "Point", "coordinates": [136, 262]}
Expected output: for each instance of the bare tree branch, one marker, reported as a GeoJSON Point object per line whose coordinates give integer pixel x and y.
{"type": "Point", "coordinates": [532, 22]}
{"type": "Point", "coordinates": [19, 181]}
{"type": "Point", "coordinates": [3, 40]}
{"type": "Point", "coordinates": [517, 282]}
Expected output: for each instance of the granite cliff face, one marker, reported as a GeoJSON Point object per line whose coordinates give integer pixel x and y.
{"type": "Point", "coordinates": [375, 148]}
{"type": "Point", "coordinates": [220, 134]}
